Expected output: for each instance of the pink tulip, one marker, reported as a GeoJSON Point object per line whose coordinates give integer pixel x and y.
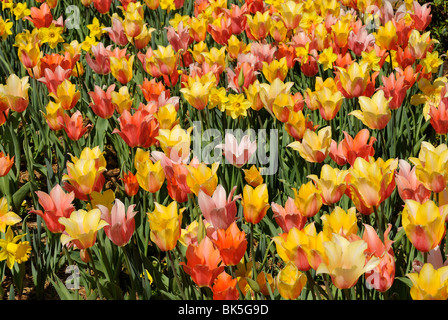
{"type": "Point", "coordinates": [121, 222]}
{"type": "Point", "coordinates": [102, 102]}
{"type": "Point", "coordinates": [218, 210]}
{"type": "Point", "coordinates": [52, 79]}
{"type": "Point", "coordinates": [359, 42]}
{"type": "Point", "coordinates": [238, 154]}
{"type": "Point", "coordinates": [116, 33]}
{"type": "Point", "coordinates": [382, 276]}
{"type": "Point", "coordinates": [288, 217]}
{"type": "Point", "coordinates": [73, 125]}
{"type": "Point", "coordinates": [394, 86]}
{"type": "Point", "coordinates": [56, 204]}
{"type": "Point", "coordinates": [101, 64]}
{"type": "Point", "coordinates": [409, 187]}
{"type": "Point", "coordinates": [180, 38]}
{"type": "Point", "coordinates": [421, 16]}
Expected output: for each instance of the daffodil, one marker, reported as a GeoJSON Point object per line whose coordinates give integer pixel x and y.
{"type": "Point", "coordinates": [13, 251]}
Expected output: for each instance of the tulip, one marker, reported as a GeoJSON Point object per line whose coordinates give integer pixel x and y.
{"type": "Point", "coordinates": [121, 68]}
{"type": "Point", "coordinates": [382, 276]}
{"type": "Point", "coordinates": [103, 6]}
{"type": "Point", "coordinates": [121, 223]}
{"type": "Point", "coordinates": [139, 129]}
{"type": "Point", "coordinates": [308, 199]}
{"type": "Point", "coordinates": [371, 182]}
{"type": "Point", "coordinates": [66, 94]}
{"type": "Point", "coordinates": [375, 112]}
{"type": "Point", "coordinates": [203, 263]}
{"type": "Point", "coordinates": [409, 187]}
{"type": "Point", "coordinates": [6, 163]}
{"type": "Point", "coordinates": [421, 15]}
{"type": "Point", "coordinates": [293, 246]}
{"type": "Point", "coordinates": [265, 282]}
{"type": "Point", "coordinates": [81, 228]}
{"type": "Point", "coordinates": [238, 154]}
{"type": "Point", "coordinates": [101, 64]}
{"type": "Point", "coordinates": [314, 147]}
{"type": "Point", "coordinates": [105, 199]}
{"type": "Point", "coordinates": [102, 102]}
{"type": "Point", "coordinates": [116, 32]}
{"type": "Point", "coordinates": [275, 69]}
{"type": "Point", "coordinates": [13, 251]}
{"type": "Point", "coordinates": [361, 40]}
{"type": "Point", "coordinates": [355, 80]}
{"type": "Point", "coordinates": [258, 25]}
{"type": "Point", "coordinates": [224, 287]}
{"type": "Point", "coordinates": [346, 261]}
{"type": "Point", "coordinates": [7, 218]}
{"type": "Point", "coordinates": [150, 176]}
{"type": "Point", "coordinates": [394, 87]}
{"type": "Point", "coordinates": [341, 222]}
{"type": "Point", "coordinates": [232, 244]}
{"type": "Point", "coordinates": [197, 91]}
{"type": "Point", "coordinates": [175, 142]}
{"type": "Point", "coordinates": [152, 89]}
{"type": "Point", "coordinates": [386, 36]}
{"type": "Point", "coordinates": [131, 185]}
{"type": "Point", "coordinates": [56, 204]}
{"type": "Point", "coordinates": [255, 203]}
{"type": "Point", "coordinates": [52, 79]}
{"type": "Point", "coordinates": [331, 183]}
{"type": "Point", "coordinates": [297, 124]}
{"type": "Point", "coordinates": [439, 114]}
{"type": "Point", "coordinates": [253, 176]}
{"type": "Point", "coordinates": [83, 177]}
{"type": "Point", "coordinates": [351, 148]}
{"type": "Point", "coordinates": [218, 210]}
{"type": "Point", "coordinates": [165, 225]}
{"type": "Point", "coordinates": [15, 92]}
{"type": "Point", "coordinates": [424, 224]}
{"type": "Point", "coordinates": [73, 125]}
{"type": "Point", "coordinates": [429, 283]}
{"type": "Point", "coordinates": [133, 19]}
{"type": "Point", "coordinates": [288, 217]}
{"type": "Point", "coordinates": [269, 92]}
{"type": "Point", "coordinates": [220, 29]}
{"type": "Point", "coordinates": [432, 166]}
{"type": "Point", "coordinates": [202, 178]}
{"type": "Point", "coordinates": [29, 54]}
{"type": "Point", "coordinates": [167, 116]}
{"type": "Point", "coordinates": [290, 281]}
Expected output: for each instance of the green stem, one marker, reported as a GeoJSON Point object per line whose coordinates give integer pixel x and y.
{"type": "Point", "coordinates": [176, 276]}
{"type": "Point", "coordinates": [95, 273]}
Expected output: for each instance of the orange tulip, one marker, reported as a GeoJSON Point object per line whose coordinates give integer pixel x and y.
{"type": "Point", "coordinates": [131, 185]}
{"type": "Point", "coordinates": [139, 129]}
{"type": "Point", "coordinates": [224, 287]}
{"type": "Point", "coordinates": [203, 263]}
{"type": "Point", "coordinates": [6, 164]}
{"type": "Point", "coordinates": [231, 243]}
{"type": "Point", "coordinates": [73, 125]}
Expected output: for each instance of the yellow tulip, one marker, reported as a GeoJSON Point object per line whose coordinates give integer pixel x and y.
{"type": "Point", "coordinates": [269, 92]}
{"type": "Point", "coordinates": [259, 25]}
{"type": "Point", "coordinates": [275, 69]}
{"type": "Point", "coordinates": [386, 36]}
{"type": "Point", "coordinates": [167, 116]}
{"type": "Point", "coordinates": [375, 112]}
{"type": "Point", "coordinates": [431, 166]}
{"type": "Point", "coordinates": [329, 102]}
{"type": "Point", "coordinates": [344, 223]}
{"type": "Point", "coordinates": [291, 13]}
{"type": "Point", "coordinates": [121, 68]}
{"type": "Point", "coordinates": [294, 245]}
{"type": "Point", "coordinates": [203, 178]}
{"type": "Point", "coordinates": [331, 183]}
{"type": "Point", "coordinates": [371, 182]}
{"type": "Point", "coordinates": [175, 142]}
{"type": "Point", "coordinates": [308, 199]}
{"type": "Point", "coordinates": [314, 147]}
{"type": "Point", "coordinates": [290, 281]}
{"type": "Point", "coordinates": [66, 94]}
{"type": "Point", "coordinates": [252, 176]}
{"type": "Point", "coordinates": [81, 228]}
{"type": "Point", "coordinates": [150, 176]}
{"type": "Point", "coordinates": [197, 90]}
{"type": "Point", "coordinates": [345, 261]}
{"type": "Point", "coordinates": [235, 47]}
{"type": "Point", "coordinates": [122, 99]}
{"type": "Point", "coordinates": [165, 224]}
{"type": "Point", "coordinates": [255, 203]}
{"type": "Point", "coordinates": [429, 283]}
{"type": "Point", "coordinates": [424, 224]}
